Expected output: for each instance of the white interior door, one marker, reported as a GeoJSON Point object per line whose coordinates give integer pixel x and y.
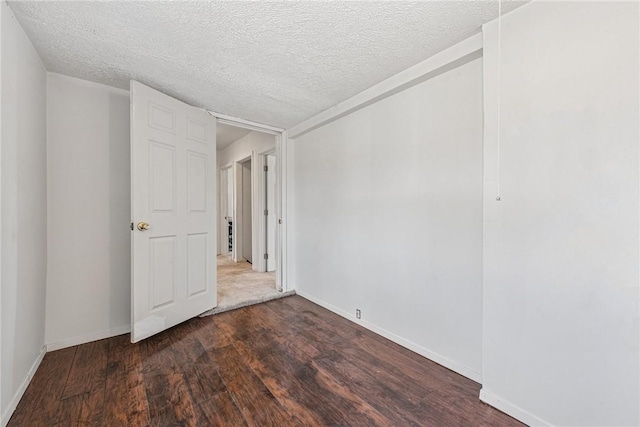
{"type": "Point", "coordinates": [270, 179]}
{"type": "Point", "coordinates": [237, 213]}
{"type": "Point", "coordinates": [173, 163]}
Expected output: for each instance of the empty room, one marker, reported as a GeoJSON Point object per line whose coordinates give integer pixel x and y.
{"type": "Point", "coordinates": [320, 213]}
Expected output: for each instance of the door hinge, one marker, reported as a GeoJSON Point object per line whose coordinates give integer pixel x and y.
{"type": "Point", "coordinates": [266, 256]}
{"type": "Point", "coordinates": [266, 212]}
{"type": "Point", "coordinates": [280, 221]}
{"type": "Point", "coordinates": [266, 168]}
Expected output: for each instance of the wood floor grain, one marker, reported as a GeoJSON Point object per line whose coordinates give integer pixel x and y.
{"type": "Point", "coordinates": [287, 362]}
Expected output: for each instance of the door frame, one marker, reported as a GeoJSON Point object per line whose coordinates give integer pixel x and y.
{"type": "Point", "coordinates": [223, 231]}
{"type": "Point", "coordinates": [238, 208]}
{"type": "Point", "coordinates": [282, 172]}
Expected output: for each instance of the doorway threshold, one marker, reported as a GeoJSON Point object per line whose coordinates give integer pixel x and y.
{"type": "Point", "coordinates": [239, 304]}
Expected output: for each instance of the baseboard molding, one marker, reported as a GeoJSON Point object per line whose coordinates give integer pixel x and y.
{"type": "Point", "coordinates": [439, 359]}
{"type": "Point", "coordinates": [94, 336]}
{"type": "Point", "coordinates": [511, 409]}
{"type": "Point", "coordinates": [23, 387]}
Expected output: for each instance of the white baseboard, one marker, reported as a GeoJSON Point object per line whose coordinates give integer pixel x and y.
{"type": "Point", "coordinates": [23, 387]}
{"type": "Point", "coordinates": [439, 359]}
{"type": "Point", "coordinates": [511, 409]}
{"type": "Point", "coordinates": [94, 336]}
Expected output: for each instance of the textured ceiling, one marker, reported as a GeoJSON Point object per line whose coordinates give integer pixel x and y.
{"type": "Point", "coordinates": [277, 63]}
{"type": "Point", "coordinates": [226, 134]}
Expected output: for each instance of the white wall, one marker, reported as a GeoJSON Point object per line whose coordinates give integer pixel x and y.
{"type": "Point", "coordinates": [24, 211]}
{"type": "Point", "coordinates": [561, 247]}
{"type": "Point", "coordinates": [89, 275]}
{"type": "Point", "coordinates": [242, 148]}
{"type": "Point", "coordinates": [387, 217]}
{"type": "Point", "coordinates": [229, 187]}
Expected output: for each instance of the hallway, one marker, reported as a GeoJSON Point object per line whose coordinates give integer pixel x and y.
{"type": "Point", "coordinates": [240, 286]}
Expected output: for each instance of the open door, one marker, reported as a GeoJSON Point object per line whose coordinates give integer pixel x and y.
{"type": "Point", "coordinates": [173, 164]}
{"type": "Point", "coordinates": [270, 217]}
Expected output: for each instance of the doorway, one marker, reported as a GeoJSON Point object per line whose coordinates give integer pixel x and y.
{"type": "Point", "coordinates": [226, 210]}
{"type": "Point", "coordinates": [245, 208]}
{"type": "Point", "coordinates": [247, 260]}
{"type": "Point", "coordinates": [177, 207]}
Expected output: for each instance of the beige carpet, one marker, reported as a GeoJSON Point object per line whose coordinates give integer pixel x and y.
{"type": "Point", "coordinates": [239, 286]}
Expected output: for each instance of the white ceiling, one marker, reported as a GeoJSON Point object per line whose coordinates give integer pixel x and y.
{"type": "Point", "coordinates": [226, 134]}
{"type": "Point", "coordinates": [276, 63]}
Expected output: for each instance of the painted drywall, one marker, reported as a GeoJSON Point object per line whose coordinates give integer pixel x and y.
{"type": "Point", "coordinates": [242, 148]}
{"type": "Point", "coordinates": [561, 247]}
{"type": "Point", "coordinates": [386, 217]}
{"type": "Point", "coordinates": [229, 195]}
{"type": "Point", "coordinates": [24, 210]}
{"type": "Point", "coordinates": [88, 175]}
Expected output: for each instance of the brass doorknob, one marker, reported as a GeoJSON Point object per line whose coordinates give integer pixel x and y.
{"type": "Point", "coordinates": [143, 226]}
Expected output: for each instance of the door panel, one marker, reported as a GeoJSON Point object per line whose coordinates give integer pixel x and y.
{"type": "Point", "coordinates": [173, 159]}
{"type": "Point", "coordinates": [197, 182]}
{"type": "Point", "coordinates": [162, 278]}
{"type": "Point", "coordinates": [197, 256]}
{"type": "Point", "coordinates": [163, 177]}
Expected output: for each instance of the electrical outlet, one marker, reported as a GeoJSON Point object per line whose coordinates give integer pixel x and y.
{"type": "Point", "coordinates": [358, 313]}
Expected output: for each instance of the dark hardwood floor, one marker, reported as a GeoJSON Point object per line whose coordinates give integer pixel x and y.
{"type": "Point", "coordinates": [285, 362]}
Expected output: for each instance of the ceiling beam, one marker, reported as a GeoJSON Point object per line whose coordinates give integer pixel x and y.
{"type": "Point", "coordinates": [455, 56]}
{"type": "Point", "coordinates": [246, 124]}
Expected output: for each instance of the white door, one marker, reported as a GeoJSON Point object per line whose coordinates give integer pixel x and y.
{"type": "Point", "coordinates": [270, 180]}
{"type": "Point", "coordinates": [173, 158]}
{"type": "Point", "coordinates": [237, 213]}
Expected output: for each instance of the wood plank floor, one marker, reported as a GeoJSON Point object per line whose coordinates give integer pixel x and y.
{"type": "Point", "coordinates": [287, 362]}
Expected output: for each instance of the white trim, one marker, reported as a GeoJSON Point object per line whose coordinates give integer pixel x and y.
{"type": "Point", "coordinates": [259, 203]}
{"type": "Point", "coordinates": [238, 220]}
{"type": "Point", "coordinates": [638, 297]}
{"type": "Point", "coordinates": [245, 124]}
{"type": "Point", "coordinates": [282, 143]}
{"type": "Point", "coordinates": [236, 253]}
{"type": "Point", "coordinates": [2, 423]}
{"type": "Point", "coordinates": [431, 355]}
{"type": "Point", "coordinates": [94, 336]}
{"type": "Point", "coordinates": [510, 409]}
{"type": "Point", "coordinates": [458, 54]}
{"type": "Point", "coordinates": [257, 190]}
{"type": "Point", "coordinates": [6, 416]}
